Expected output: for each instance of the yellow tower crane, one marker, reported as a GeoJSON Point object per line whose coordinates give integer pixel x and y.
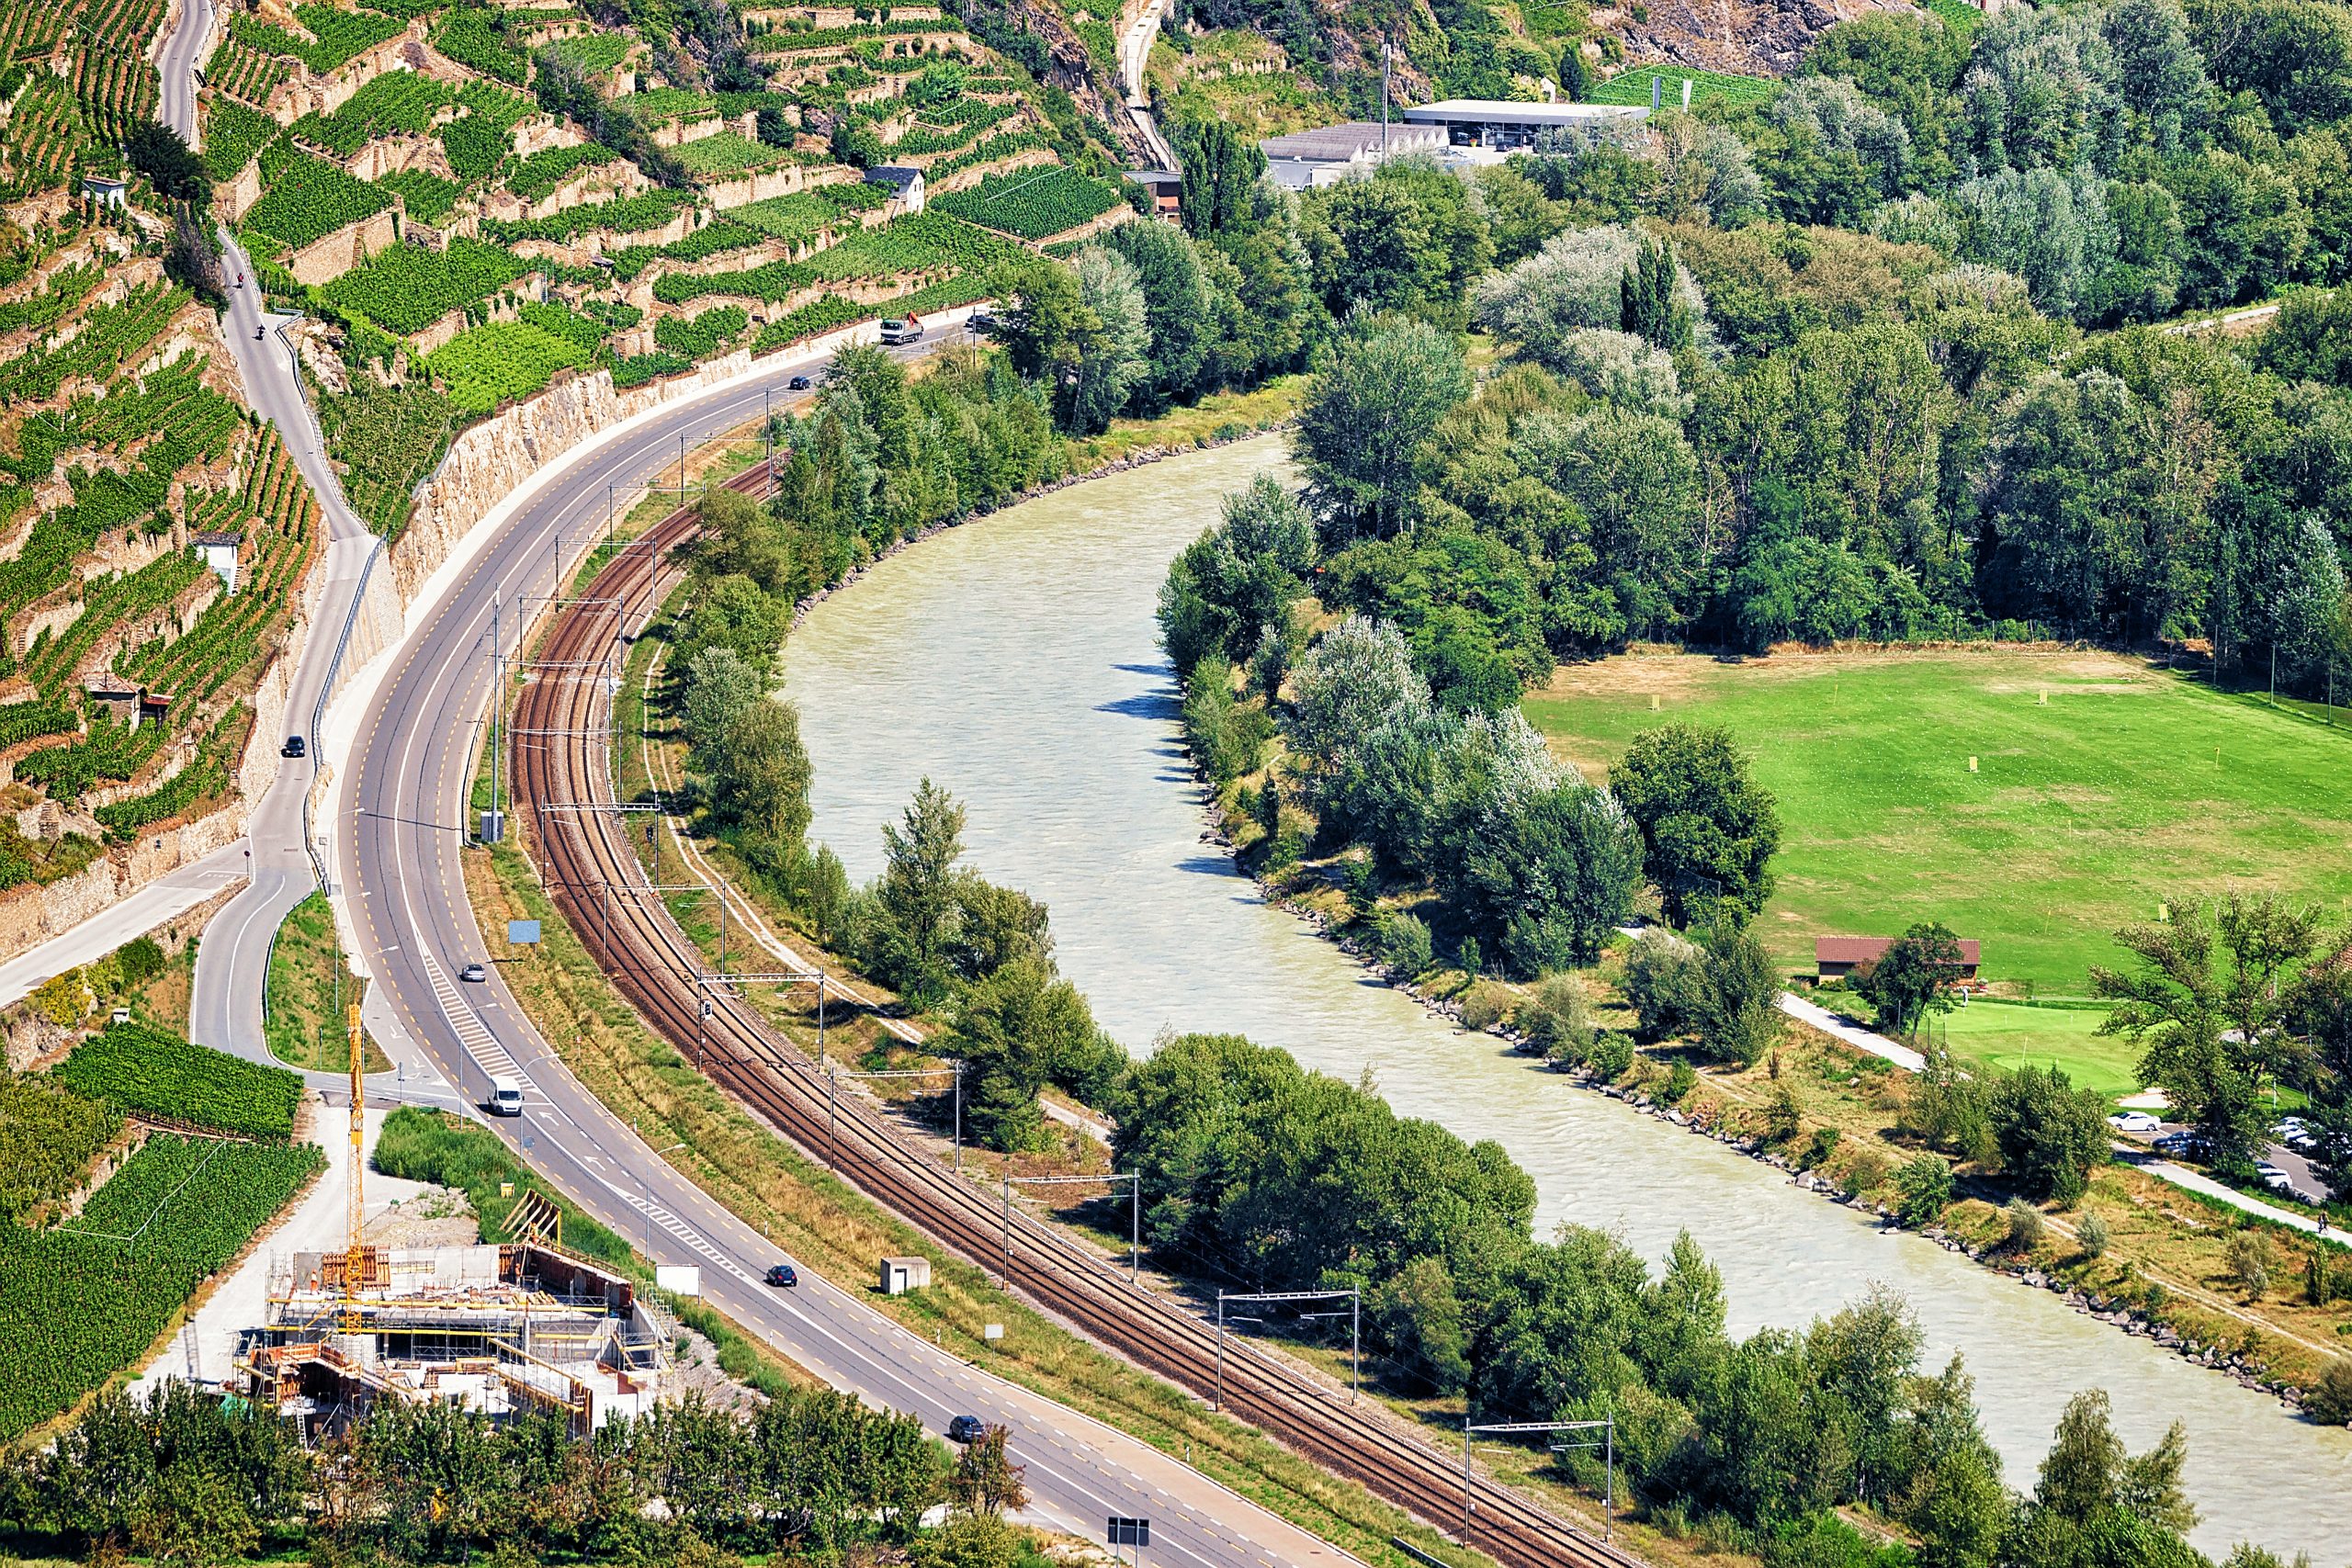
{"type": "Point", "coordinates": [353, 1258]}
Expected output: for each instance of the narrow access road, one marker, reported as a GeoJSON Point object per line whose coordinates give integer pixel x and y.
{"type": "Point", "coordinates": [399, 844]}
{"type": "Point", "coordinates": [232, 962]}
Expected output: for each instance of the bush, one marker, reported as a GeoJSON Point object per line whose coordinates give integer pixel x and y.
{"type": "Point", "coordinates": [1925, 1188]}
{"type": "Point", "coordinates": [2249, 1260]}
{"type": "Point", "coordinates": [1680, 1079]}
{"type": "Point", "coordinates": [2329, 1401]}
{"type": "Point", "coordinates": [2091, 1233]}
{"type": "Point", "coordinates": [2051, 1134]}
{"type": "Point", "coordinates": [2025, 1224]}
{"type": "Point", "coordinates": [1783, 1116]}
{"type": "Point", "coordinates": [1817, 1153]}
{"type": "Point", "coordinates": [1556, 1019]}
{"type": "Point", "coordinates": [1662, 983]}
{"type": "Point", "coordinates": [1612, 1054]}
{"type": "Point", "coordinates": [1484, 1004]}
{"type": "Point", "coordinates": [1403, 942]}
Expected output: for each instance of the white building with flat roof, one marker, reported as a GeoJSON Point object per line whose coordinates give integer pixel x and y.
{"type": "Point", "coordinates": [1307, 158]}
{"type": "Point", "coordinates": [1495, 122]}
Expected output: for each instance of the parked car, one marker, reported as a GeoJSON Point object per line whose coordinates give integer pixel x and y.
{"type": "Point", "coordinates": [295, 747]}
{"type": "Point", "coordinates": [2135, 1122]}
{"type": "Point", "coordinates": [967, 1429]}
{"type": "Point", "coordinates": [797, 384]}
{"type": "Point", "coordinates": [2273, 1178]}
{"type": "Point", "coordinates": [2182, 1144]}
{"type": "Point", "coordinates": [473, 972]}
{"type": "Point", "coordinates": [784, 1276]}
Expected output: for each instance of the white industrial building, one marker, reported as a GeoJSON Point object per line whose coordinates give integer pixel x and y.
{"type": "Point", "coordinates": [1306, 159]}
{"type": "Point", "coordinates": [1495, 122]}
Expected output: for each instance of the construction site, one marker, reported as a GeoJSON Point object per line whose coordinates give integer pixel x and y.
{"type": "Point", "coordinates": [501, 1329]}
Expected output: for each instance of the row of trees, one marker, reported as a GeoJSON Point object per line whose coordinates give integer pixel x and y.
{"type": "Point", "coordinates": [1235, 1142]}
{"type": "Point", "coordinates": [181, 1477]}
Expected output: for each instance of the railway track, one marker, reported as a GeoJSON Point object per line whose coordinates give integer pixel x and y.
{"type": "Point", "coordinates": [584, 852]}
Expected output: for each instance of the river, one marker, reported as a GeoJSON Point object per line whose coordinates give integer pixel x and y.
{"type": "Point", "coordinates": [1015, 662]}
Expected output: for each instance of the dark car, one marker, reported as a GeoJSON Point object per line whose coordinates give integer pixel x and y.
{"type": "Point", "coordinates": [784, 1275]}
{"type": "Point", "coordinates": [967, 1429]}
{"type": "Point", "coordinates": [295, 747]}
{"type": "Point", "coordinates": [473, 972]}
{"type": "Point", "coordinates": [797, 384]}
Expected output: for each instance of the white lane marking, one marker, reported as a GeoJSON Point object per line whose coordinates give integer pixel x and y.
{"type": "Point", "coordinates": [478, 1042]}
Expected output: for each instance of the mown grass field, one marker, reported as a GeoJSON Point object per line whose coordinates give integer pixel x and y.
{"type": "Point", "coordinates": [2104, 784]}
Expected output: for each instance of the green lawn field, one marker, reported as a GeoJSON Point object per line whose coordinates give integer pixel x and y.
{"type": "Point", "coordinates": [2103, 785]}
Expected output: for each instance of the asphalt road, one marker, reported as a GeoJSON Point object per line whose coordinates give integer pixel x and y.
{"type": "Point", "coordinates": [232, 962]}
{"type": "Point", "coordinates": [400, 840]}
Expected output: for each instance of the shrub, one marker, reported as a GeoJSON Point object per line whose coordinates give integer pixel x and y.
{"type": "Point", "coordinates": [2025, 1224]}
{"type": "Point", "coordinates": [1824, 1145]}
{"type": "Point", "coordinates": [1556, 1019]}
{"type": "Point", "coordinates": [1612, 1054]}
{"type": "Point", "coordinates": [1662, 982]}
{"type": "Point", "coordinates": [1679, 1081]}
{"type": "Point", "coordinates": [1924, 1188]}
{"type": "Point", "coordinates": [1483, 1005]}
{"type": "Point", "coordinates": [1404, 941]}
{"type": "Point", "coordinates": [2091, 1233]}
{"type": "Point", "coordinates": [2248, 1254]}
{"type": "Point", "coordinates": [2051, 1134]}
{"type": "Point", "coordinates": [1783, 1116]}
{"type": "Point", "coordinates": [2329, 1401]}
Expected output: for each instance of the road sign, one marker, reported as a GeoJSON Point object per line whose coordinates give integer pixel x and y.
{"type": "Point", "coordinates": [1125, 1531]}
{"type": "Point", "coordinates": [522, 933]}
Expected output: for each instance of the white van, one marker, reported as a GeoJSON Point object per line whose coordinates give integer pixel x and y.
{"type": "Point", "coordinates": [505, 1097]}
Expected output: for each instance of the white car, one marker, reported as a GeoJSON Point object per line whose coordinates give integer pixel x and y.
{"type": "Point", "coordinates": [2273, 1178]}
{"type": "Point", "coordinates": [2135, 1122]}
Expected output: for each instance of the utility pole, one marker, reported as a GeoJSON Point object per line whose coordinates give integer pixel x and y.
{"type": "Point", "coordinates": [1387, 47]}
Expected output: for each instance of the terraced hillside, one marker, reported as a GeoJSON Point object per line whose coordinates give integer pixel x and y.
{"type": "Point", "coordinates": [154, 538]}
{"type": "Point", "coordinates": [482, 200]}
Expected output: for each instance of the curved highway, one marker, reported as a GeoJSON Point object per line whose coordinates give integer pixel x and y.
{"type": "Point", "coordinates": [399, 842]}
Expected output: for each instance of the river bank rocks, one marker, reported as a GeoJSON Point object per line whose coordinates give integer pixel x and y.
{"type": "Point", "coordinates": [2130, 1317]}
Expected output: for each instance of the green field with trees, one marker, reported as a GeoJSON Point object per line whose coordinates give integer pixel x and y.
{"type": "Point", "coordinates": [2104, 784]}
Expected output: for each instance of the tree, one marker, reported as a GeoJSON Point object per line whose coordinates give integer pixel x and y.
{"type": "Point", "coordinates": [720, 685]}
{"type": "Point", "coordinates": [985, 1481]}
{"type": "Point", "coordinates": [1663, 978]}
{"type": "Point", "coordinates": [1738, 1013]}
{"type": "Point", "coordinates": [733, 612]}
{"type": "Point", "coordinates": [2211, 1004]}
{"type": "Point", "coordinates": [1649, 298]}
{"type": "Point", "coordinates": [1407, 240]}
{"type": "Point", "coordinates": [1418, 1317]}
{"type": "Point", "coordinates": [1238, 579]}
{"type": "Point", "coordinates": [1112, 352]}
{"type": "Point", "coordinates": [1385, 382]}
{"type": "Point", "coordinates": [1016, 1030]}
{"type": "Point", "coordinates": [1176, 309]}
{"type": "Point", "coordinates": [1220, 165]}
{"type": "Point", "coordinates": [158, 152]}
{"type": "Point", "coordinates": [917, 895]}
{"type": "Point", "coordinates": [1709, 830]}
{"type": "Point", "coordinates": [759, 777]}
{"type": "Point", "coordinates": [1913, 977]}
{"type": "Point", "coordinates": [190, 260]}
{"type": "Point", "coordinates": [1551, 876]}
{"type": "Point", "coordinates": [2051, 1135]}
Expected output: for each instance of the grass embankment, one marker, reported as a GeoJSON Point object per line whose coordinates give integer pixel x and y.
{"type": "Point", "coordinates": [2103, 785]}
{"type": "Point", "coordinates": [2169, 1254]}
{"type": "Point", "coordinates": [311, 989]}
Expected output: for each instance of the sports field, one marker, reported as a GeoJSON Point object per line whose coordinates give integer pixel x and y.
{"type": "Point", "coordinates": [2103, 785]}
